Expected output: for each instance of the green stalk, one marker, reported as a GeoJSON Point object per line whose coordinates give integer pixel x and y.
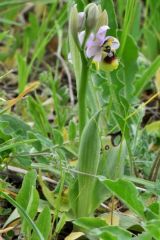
{"type": "Point", "coordinates": [82, 94]}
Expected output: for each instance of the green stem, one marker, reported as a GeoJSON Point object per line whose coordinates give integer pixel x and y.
{"type": "Point", "coordinates": [82, 94]}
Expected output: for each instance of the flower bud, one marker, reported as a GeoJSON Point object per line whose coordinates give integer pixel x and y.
{"type": "Point", "coordinates": [92, 14]}
{"type": "Point", "coordinates": [81, 21]}
{"type": "Point", "coordinates": [102, 19]}
{"type": "Point", "coordinates": [73, 24]}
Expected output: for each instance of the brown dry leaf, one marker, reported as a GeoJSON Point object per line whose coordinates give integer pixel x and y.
{"type": "Point", "coordinates": [74, 235]}
{"type": "Point", "coordinates": [65, 134]}
{"type": "Point", "coordinates": [10, 62]}
{"type": "Point", "coordinates": [113, 204]}
{"type": "Point", "coordinates": [40, 10]}
{"type": "Point", "coordinates": [14, 223]}
{"type": "Point", "coordinates": [53, 44]}
{"type": "Point", "coordinates": [29, 88]}
{"type": "Point", "coordinates": [157, 80]}
{"type": "Point", "coordinates": [10, 192]}
{"type": "Point", "coordinates": [5, 230]}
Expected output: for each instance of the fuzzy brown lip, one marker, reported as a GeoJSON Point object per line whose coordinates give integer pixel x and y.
{"type": "Point", "coordinates": [109, 60]}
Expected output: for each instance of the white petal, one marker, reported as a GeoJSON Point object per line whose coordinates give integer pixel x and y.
{"type": "Point", "coordinates": [92, 51]}
{"type": "Point", "coordinates": [81, 17]}
{"type": "Point", "coordinates": [103, 29]}
{"type": "Point", "coordinates": [70, 57]}
{"type": "Point", "coordinates": [115, 44]}
{"type": "Point", "coordinates": [90, 40]}
{"type": "Point", "coordinates": [81, 37]}
{"type": "Point", "coordinates": [101, 34]}
{"type": "Point", "coordinates": [98, 57]}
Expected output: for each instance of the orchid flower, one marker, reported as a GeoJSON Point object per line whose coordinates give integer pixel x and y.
{"type": "Point", "coordinates": [101, 48]}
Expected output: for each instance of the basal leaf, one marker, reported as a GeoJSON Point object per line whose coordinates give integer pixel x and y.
{"type": "Point", "coordinates": [43, 223]}
{"type": "Point", "coordinates": [26, 189]}
{"type": "Point", "coordinates": [154, 229]}
{"type": "Point", "coordinates": [126, 192]}
{"type": "Point", "coordinates": [89, 154]}
{"type": "Point", "coordinates": [31, 209]}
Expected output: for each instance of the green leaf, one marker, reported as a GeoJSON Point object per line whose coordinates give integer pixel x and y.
{"type": "Point", "coordinates": [43, 223]}
{"type": "Point", "coordinates": [72, 130]}
{"type": "Point", "coordinates": [98, 228]}
{"type": "Point", "coordinates": [129, 60]}
{"type": "Point", "coordinates": [89, 154]}
{"type": "Point", "coordinates": [22, 72]}
{"type": "Point", "coordinates": [126, 192]}
{"type": "Point", "coordinates": [147, 76]}
{"type": "Point", "coordinates": [38, 114]}
{"type": "Point", "coordinates": [144, 236]}
{"type": "Point", "coordinates": [60, 223]}
{"type": "Point", "coordinates": [31, 210]}
{"type": "Point", "coordinates": [28, 198]}
{"type": "Point", "coordinates": [26, 189]}
{"type": "Point", "coordinates": [111, 232]}
{"type": "Point", "coordinates": [88, 223]}
{"type": "Point", "coordinates": [153, 128]}
{"type": "Point", "coordinates": [154, 229]}
{"type": "Point", "coordinates": [24, 214]}
{"type": "Point", "coordinates": [49, 195]}
{"type": "Point", "coordinates": [13, 126]}
{"type": "Point", "coordinates": [151, 48]}
{"type": "Point", "coordinates": [11, 144]}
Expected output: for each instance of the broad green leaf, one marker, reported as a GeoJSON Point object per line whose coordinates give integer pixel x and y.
{"type": "Point", "coordinates": [98, 228]}
{"type": "Point", "coordinates": [88, 223]}
{"type": "Point", "coordinates": [126, 192]}
{"type": "Point", "coordinates": [13, 125]}
{"type": "Point", "coordinates": [89, 154]}
{"type": "Point", "coordinates": [12, 144]}
{"type": "Point", "coordinates": [136, 28]}
{"type": "Point", "coordinates": [111, 232]}
{"type": "Point", "coordinates": [129, 61]}
{"type": "Point", "coordinates": [24, 193]}
{"type": "Point", "coordinates": [61, 223]}
{"type": "Point", "coordinates": [153, 128]}
{"type": "Point", "coordinates": [150, 48]}
{"type": "Point", "coordinates": [144, 236]}
{"type": "Point", "coordinates": [114, 159]}
{"type": "Point", "coordinates": [49, 195]}
{"type": "Point", "coordinates": [31, 209]}
{"type": "Point", "coordinates": [154, 229]}
{"type": "Point", "coordinates": [147, 76]}
{"type": "Point", "coordinates": [43, 223]}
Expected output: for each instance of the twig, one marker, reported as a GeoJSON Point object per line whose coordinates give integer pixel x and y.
{"type": "Point", "coordinates": [23, 171]}
{"type": "Point", "coordinates": [68, 77]}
